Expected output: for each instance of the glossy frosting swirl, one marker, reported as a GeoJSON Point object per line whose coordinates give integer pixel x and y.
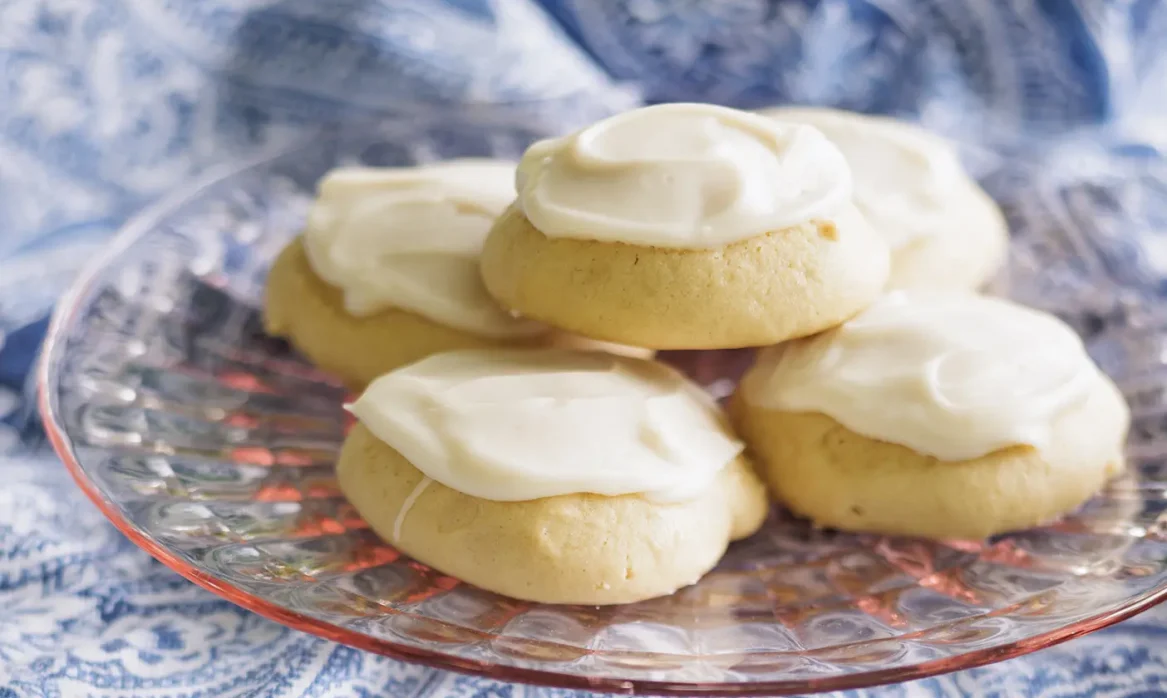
{"type": "Point", "coordinates": [410, 238]}
{"type": "Point", "coordinates": [955, 376]}
{"type": "Point", "coordinates": [683, 176]}
{"type": "Point", "coordinates": [908, 182]}
{"type": "Point", "coordinates": [511, 425]}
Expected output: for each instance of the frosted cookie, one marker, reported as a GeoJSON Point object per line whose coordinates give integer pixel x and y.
{"type": "Point", "coordinates": [551, 475]}
{"type": "Point", "coordinates": [685, 226]}
{"type": "Point", "coordinates": [944, 230]}
{"type": "Point", "coordinates": [386, 271]}
{"type": "Point", "coordinates": [933, 414]}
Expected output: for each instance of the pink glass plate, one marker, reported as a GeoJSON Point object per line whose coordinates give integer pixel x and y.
{"type": "Point", "coordinates": [211, 446]}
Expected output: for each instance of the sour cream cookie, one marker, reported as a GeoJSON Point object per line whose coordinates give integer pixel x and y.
{"type": "Point", "coordinates": [686, 226]}
{"type": "Point", "coordinates": [937, 415]}
{"type": "Point", "coordinates": [551, 475]}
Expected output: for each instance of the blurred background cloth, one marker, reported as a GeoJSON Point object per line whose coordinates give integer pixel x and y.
{"type": "Point", "coordinates": [107, 104]}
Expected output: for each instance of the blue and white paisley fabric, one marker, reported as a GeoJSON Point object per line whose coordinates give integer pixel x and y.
{"type": "Point", "coordinates": [1024, 66]}
{"type": "Point", "coordinates": [106, 104]}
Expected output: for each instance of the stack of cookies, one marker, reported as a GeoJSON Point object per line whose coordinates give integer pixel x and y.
{"type": "Point", "coordinates": [515, 431]}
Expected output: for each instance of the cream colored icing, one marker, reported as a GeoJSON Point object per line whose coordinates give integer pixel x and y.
{"type": "Point", "coordinates": [683, 176]}
{"type": "Point", "coordinates": [410, 238]}
{"type": "Point", "coordinates": [908, 182]}
{"type": "Point", "coordinates": [512, 425]}
{"type": "Point", "coordinates": [952, 375]}
{"type": "Point", "coordinates": [407, 505]}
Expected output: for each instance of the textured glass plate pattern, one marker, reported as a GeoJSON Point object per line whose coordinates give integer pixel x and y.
{"type": "Point", "coordinates": [212, 446]}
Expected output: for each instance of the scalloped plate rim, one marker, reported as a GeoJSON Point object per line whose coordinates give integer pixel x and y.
{"type": "Point", "coordinates": [46, 378]}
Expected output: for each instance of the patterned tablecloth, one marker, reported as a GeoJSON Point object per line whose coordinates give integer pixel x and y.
{"type": "Point", "coordinates": [106, 104]}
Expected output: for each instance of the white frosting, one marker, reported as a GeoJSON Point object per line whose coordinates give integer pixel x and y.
{"type": "Point", "coordinates": [908, 181]}
{"type": "Point", "coordinates": [681, 175]}
{"type": "Point", "coordinates": [511, 425]}
{"type": "Point", "coordinates": [955, 376]}
{"type": "Point", "coordinates": [410, 238]}
{"type": "Point", "coordinates": [410, 500]}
